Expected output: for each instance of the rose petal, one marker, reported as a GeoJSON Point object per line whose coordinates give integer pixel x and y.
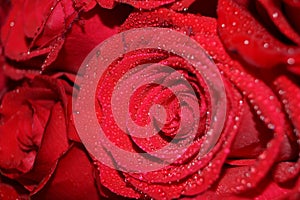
{"type": "Point", "coordinates": [273, 9]}
{"type": "Point", "coordinates": [260, 101]}
{"type": "Point", "coordinates": [250, 141]}
{"type": "Point", "coordinates": [35, 13]}
{"type": "Point", "coordinates": [7, 192]}
{"type": "Point", "coordinates": [96, 25]}
{"type": "Point", "coordinates": [12, 35]}
{"type": "Point", "coordinates": [249, 35]}
{"type": "Point", "coordinates": [13, 159]}
{"type": "Point", "coordinates": [115, 181]}
{"type": "Point", "coordinates": [292, 9]}
{"type": "Point", "coordinates": [51, 149]}
{"type": "Point", "coordinates": [266, 190]}
{"type": "Point", "coordinates": [72, 179]}
{"type": "Point", "coordinates": [135, 3]}
{"type": "Point", "coordinates": [182, 5]}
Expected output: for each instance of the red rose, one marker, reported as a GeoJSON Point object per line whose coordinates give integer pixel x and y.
{"type": "Point", "coordinates": [257, 143]}
{"type": "Point", "coordinates": [37, 147]}
{"type": "Point", "coordinates": [266, 33]}
{"type": "Point", "coordinates": [56, 35]}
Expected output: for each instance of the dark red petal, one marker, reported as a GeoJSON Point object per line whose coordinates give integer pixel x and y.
{"type": "Point", "coordinates": [12, 34]}
{"type": "Point", "coordinates": [106, 3]}
{"type": "Point", "coordinates": [252, 136]}
{"type": "Point", "coordinates": [165, 191]}
{"type": "Point", "coordinates": [51, 32]}
{"type": "Point", "coordinates": [44, 34]}
{"type": "Point", "coordinates": [136, 3]}
{"type": "Point", "coordinates": [292, 9]}
{"type": "Point", "coordinates": [18, 74]}
{"type": "Point", "coordinates": [289, 92]}
{"type": "Point", "coordinates": [267, 189]}
{"type": "Point", "coordinates": [252, 41]}
{"type": "Point", "coordinates": [274, 11]}
{"type": "Point", "coordinates": [115, 181]}
{"type": "Point", "coordinates": [3, 79]}
{"type": "Point", "coordinates": [73, 178]}
{"type": "Point", "coordinates": [53, 146]}
{"type": "Point", "coordinates": [12, 101]}
{"type": "Point", "coordinates": [182, 5]}
{"type": "Point", "coordinates": [95, 26]}
{"type": "Point", "coordinates": [262, 99]}
{"type": "Point", "coordinates": [4, 10]}
{"type": "Point", "coordinates": [286, 171]}
{"type": "Point", "coordinates": [147, 4]}
{"type": "Point", "coordinates": [14, 159]}
{"type": "Point", "coordinates": [7, 192]}
{"type": "Point", "coordinates": [35, 12]}
{"type": "Point", "coordinates": [212, 172]}
{"type": "Point", "coordinates": [54, 22]}
{"type": "Point", "coordinates": [202, 29]}
{"type": "Point", "coordinates": [290, 95]}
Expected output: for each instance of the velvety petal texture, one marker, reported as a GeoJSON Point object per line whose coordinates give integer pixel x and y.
{"type": "Point", "coordinates": [39, 33]}
{"type": "Point", "coordinates": [34, 138]}
{"type": "Point", "coordinates": [273, 44]}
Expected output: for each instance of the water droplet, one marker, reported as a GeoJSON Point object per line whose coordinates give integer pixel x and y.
{"type": "Point", "coordinates": [252, 169]}
{"type": "Point", "coordinates": [246, 42]}
{"type": "Point", "coordinates": [258, 112]}
{"type": "Point", "coordinates": [281, 92]}
{"type": "Point", "coordinates": [140, 177]}
{"type": "Point", "coordinates": [12, 23]}
{"type": "Point", "coordinates": [271, 126]}
{"type": "Point", "coordinates": [227, 150]}
{"type": "Point", "coordinates": [291, 61]}
{"type": "Point", "coordinates": [275, 15]}
{"type": "Point", "coordinates": [266, 45]}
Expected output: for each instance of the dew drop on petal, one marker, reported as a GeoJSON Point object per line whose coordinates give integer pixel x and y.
{"type": "Point", "coordinates": [266, 45]}
{"type": "Point", "coordinates": [291, 61]}
{"type": "Point", "coordinates": [275, 15]}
